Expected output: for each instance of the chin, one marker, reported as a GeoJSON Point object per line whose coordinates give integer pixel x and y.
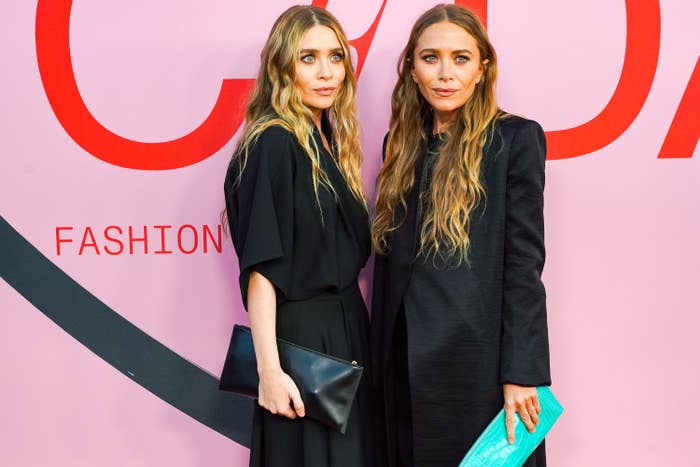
{"type": "Point", "coordinates": [320, 104]}
{"type": "Point", "coordinates": [443, 107]}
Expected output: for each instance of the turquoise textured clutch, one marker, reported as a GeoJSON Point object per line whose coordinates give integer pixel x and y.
{"type": "Point", "coordinates": [491, 449]}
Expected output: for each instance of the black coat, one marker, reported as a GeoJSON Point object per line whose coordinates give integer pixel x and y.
{"type": "Point", "coordinates": [472, 328]}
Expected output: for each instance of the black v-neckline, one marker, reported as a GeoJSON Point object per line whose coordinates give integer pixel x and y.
{"type": "Point", "coordinates": [350, 208]}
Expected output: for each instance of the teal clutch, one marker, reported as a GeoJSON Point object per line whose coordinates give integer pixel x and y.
{"type": "Point", "coordinates": [491, 449]}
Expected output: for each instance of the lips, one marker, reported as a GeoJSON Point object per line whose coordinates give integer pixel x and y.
{"type": "Point", "coordinates": [328, 91]}
{"type": "Point", "coordinates": [444, 92]}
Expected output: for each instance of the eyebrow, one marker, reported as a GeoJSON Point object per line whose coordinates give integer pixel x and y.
{"type": "Point", "coordinates": [454, 52]}
{"type": "Point", "coordinates": [315, 51]}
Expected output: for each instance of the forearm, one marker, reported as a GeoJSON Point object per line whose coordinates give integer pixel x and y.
{"type": "Point", "coordinates": [262, 308]}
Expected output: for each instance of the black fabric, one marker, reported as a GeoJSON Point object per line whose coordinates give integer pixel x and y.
{"type": "Point", "coordinates": [402, 395]}
{"type": "Point", "coordinates": [276, 225]}
{"type": "Point", "coordinates": [313, 257]}
{"type": "Point", "coordinates": [470, 328]}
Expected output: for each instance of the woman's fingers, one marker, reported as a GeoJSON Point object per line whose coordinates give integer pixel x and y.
{"type": "Point", "coordinates": [526, 408]}
{"type": "Point", "coordinates": [280, 396]}
{"type": "Point", "coordinates": [523, 401]}
{"type": "Point", "coordinates": [279, 408]}
{"type": "Point", "coordinates": [288, 411]}
{"type": "Point", "coordinates": [298, 403]}
{"type": "Point", "coordinates": [525, 417]}
{"type": "Point", "coordinates": [510, 423]}
{"type": "Point", "coordinates": [532, 410]}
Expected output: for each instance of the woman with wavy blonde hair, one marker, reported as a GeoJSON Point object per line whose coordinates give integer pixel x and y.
{"type": "Point", "coordinates": [299, 223]}
{"type": "Point", "coordinates": [459, 325]}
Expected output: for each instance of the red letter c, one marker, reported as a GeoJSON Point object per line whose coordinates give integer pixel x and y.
{"type": "Point", "coordinates": [56, 69]}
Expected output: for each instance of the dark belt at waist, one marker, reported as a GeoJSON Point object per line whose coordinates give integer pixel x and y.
{"type": "Point", "coordinates": [349, 318]}
{"type": "Point", "coordinates": [347, 291]}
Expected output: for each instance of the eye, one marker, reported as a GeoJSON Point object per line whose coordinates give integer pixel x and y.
{"type": "Point", "coordinates": [461, 59]}
{"type": "Point", "coordinates": [308, 59]}
{"type": "Point", "coordinates": [429, 58]}
{"type": "Point", "coordinates": [337, 58]}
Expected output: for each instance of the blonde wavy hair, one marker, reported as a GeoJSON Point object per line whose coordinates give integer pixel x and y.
{"type": "Point", "coordinates": [275, 100]}
{"type": "Point", "coordinates": [456, 190]}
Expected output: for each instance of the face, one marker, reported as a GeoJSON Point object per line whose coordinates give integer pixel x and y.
{"type": "Point", "coordinates": [320, 68]}
{"type": "Point", "coordinates": [446, 66]}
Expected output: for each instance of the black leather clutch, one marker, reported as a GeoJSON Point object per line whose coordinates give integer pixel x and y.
{"type": "Point", "coordinates": [327, 384]}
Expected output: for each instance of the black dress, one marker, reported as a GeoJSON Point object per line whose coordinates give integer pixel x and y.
{"type": "Point", "coordinates": [313, 260]}
{"type": "Point", "coordinates": [445, 339]}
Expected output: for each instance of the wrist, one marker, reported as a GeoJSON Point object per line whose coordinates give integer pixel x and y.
{"type": "Point", "coordinates": [269, 369]}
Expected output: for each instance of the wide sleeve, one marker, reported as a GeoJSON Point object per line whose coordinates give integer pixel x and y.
{"type": "Point", "coordinates": [524, 344]}
{"type": "Point", "coordinates": [261, 211]}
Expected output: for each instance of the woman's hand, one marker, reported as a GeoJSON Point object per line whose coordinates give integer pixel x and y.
{"type": "Point", "coordinates": [523, 400]}
{"type": "Point", "coordinates": [276, 391]}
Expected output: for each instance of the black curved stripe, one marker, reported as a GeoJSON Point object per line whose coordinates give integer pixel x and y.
{"type": "Point", "coordinates": [121, 344]}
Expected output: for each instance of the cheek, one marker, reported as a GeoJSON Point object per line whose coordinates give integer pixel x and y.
{"type": "Point", "coordinates": [340, 72]}
{"type": "Point", "coordinates": [471, 77]}
{"type": "Point", "coordinates": [299, 85]}
{"type": "Point", "coordinates": [302, 78]}
{"type": "Point", "coordinates": [421, 75]}
{"type": "Point", "coordinates": [480, 75]}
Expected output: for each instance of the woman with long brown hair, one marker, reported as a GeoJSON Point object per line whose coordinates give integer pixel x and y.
{"type": "Point", "coordinates": [459, 325]}
{"type": "Point", "coordinates": [298, 219]}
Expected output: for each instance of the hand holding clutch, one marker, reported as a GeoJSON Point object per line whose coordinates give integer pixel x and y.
{"type": "Point", "coordinates": [278, 394]}
{"type": "Point", "coordinates": [492, 448]}
{"type": "Point", "coordinates": [327, 384]}
{"type": "Point", "coordinates": [523, 401]}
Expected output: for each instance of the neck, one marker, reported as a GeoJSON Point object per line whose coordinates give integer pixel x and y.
{"type": "Point", "coordinates": [317, 114]}
{"type": "Point", "coordinates": [442, 120]}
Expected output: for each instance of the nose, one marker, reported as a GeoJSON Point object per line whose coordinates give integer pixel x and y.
{"type": "Point", "coordinates": [324, 70]}
{"type": "Point", "coordinates": [445, 71]}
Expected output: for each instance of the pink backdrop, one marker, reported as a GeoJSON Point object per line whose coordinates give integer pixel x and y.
{"type": "Point", "coordinates": [622, 224]}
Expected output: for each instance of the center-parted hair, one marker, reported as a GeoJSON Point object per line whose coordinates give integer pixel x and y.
{"type": "Point", "coordinates": [275, 99]}
{"type": "Point", "coordinates": [456, 189]}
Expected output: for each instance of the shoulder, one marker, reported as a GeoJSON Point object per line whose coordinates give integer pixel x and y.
{"type": "Point", "coordinates": [270, 154]}
{"type": "Point", "coordinates": [515, 126]}
{"type": "Point", "coordinates": [273, 148]}
{"type": "Point", "coordinates": [510, 124]}
{"type": "Point", "coordinates": [274, 137]}
{"type": "Point", "coordinates": [525, 142]}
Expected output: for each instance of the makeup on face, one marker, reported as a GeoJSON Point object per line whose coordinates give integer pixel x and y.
{"type": "Point", "coordinates": [320, 69]}
{"type": "Point", "coordinates": [446, 65]}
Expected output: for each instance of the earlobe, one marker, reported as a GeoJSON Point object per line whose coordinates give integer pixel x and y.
{"type": "Point", "coordinates": [484, 62]}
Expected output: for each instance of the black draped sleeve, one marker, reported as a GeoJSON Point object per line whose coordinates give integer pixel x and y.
{"type": "Point", "coordinates": [260, 210]}
{"type": "Point", "coordinates": [524, 344]}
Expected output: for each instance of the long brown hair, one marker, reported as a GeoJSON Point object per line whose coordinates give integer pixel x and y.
{"type": "Point", "coordinates": [456, 189]}
{"type": "Point", "coordinates": [275, 99]}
